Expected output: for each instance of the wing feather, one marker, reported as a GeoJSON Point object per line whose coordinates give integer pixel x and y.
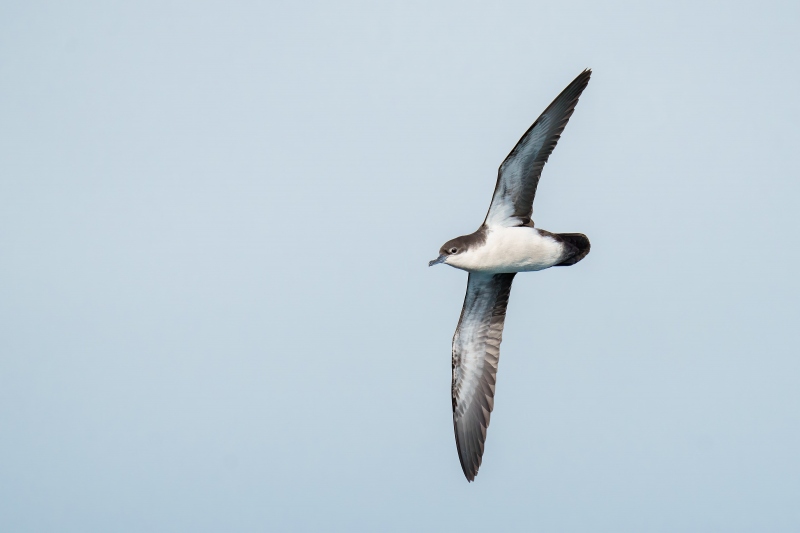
{"type": "Point", "coordinates": [518, 176]}
{"type": "Point", "coordinates": [476, 352]}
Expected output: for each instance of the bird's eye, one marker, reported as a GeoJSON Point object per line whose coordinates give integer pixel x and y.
{"type": "Point", "coordinates": [453, 250]}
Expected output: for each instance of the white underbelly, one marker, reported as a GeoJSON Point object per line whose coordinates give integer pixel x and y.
{"type": "Point", "coordinates": [519, 249]}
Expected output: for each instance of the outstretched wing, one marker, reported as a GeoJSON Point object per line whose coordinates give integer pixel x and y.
{"type": "Point", "coordinates": [476, 351]}
{"type": "Point", "coordinates": [512, 203]}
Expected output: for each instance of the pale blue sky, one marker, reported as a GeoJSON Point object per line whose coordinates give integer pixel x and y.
{"type": "Point", "coordinates": [215, 307]}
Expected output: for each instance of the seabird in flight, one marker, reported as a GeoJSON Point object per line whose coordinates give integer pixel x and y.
{"type": "Point", "coordinates": [506, 243]}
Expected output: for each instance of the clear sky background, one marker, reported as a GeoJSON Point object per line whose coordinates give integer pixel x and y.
{"type": "Point", "coordinates": [215, 307]}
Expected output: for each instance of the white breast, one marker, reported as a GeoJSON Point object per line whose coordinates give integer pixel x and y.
{"type": "Point", "coordinates": [506, 250]}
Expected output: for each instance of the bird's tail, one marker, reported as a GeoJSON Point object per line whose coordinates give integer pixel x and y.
{"type": "Point", "coordinates": [579, 246]}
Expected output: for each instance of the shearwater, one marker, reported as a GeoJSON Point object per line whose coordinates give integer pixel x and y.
{"type": "Point", "coordinates": [506, 243]}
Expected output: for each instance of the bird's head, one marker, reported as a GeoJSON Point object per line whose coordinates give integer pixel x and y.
{"type": "Point", "coordinates": [456, 252]}
{"type": "Point", "coordinates": [448, 249]}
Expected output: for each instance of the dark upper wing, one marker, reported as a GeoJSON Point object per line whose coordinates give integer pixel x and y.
{"type": "Point", "coordinates": [476, 351]}
{"type": "Point", "coordinates": [518, 176]}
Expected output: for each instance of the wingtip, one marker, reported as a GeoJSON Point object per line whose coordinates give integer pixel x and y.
{"type": "Point", "coordinates": [467, 469]}
{"type": "Point", "coordinates": [470, 477]}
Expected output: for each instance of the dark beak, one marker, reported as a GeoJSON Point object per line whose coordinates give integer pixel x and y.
{"type": "Point", "coordinates": [438, 260]}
